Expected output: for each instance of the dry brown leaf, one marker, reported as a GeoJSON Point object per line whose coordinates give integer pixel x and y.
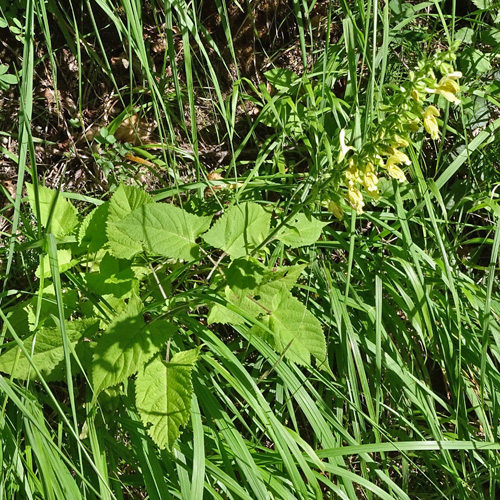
{"type": "Point", "coordinates": [134, 130]}
{"type": "Point", "coordinates": [214, 176]}
{"type": "Point", "coordinates": [11, 188]}
{"type": "Point", "coordinates": [210, 191]}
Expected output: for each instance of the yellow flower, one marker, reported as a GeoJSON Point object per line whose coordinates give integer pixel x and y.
{"type": "Point", "coordinates": [399, 142]}
{"type": "Point", "coordinates": [415, 95]}
{"type": "Point", "coordinates": [370, 180]}
{"type": "Point", "coordinates": [398, 157]}
{"type": "Point", "coordinates": [430, 122]}
{"type": "Point", "coordinates": [352, 173]}
{"type": "Point", "coordinates": [448, 87]}
{"type": "Point", "coordinates": [396, 173]}
{"type": "Point", "coordinates": [335, 210]}
{"type": "Point", "coordinates": [393, 170]}
{"type": "Point", "coordinates": [355, 199]}
{"type": "Point", "coordinates": [343, 147]}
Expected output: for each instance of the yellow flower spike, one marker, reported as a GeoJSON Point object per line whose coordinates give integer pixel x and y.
{"type": "Point", "coordinates": [370, 180]}
{"type": "Point", "coordinates": [336, 210]}
{"type": "Point", "coordinates": [355, 199]}
{"type": "Point", "coordinates": [393, 170]}
{"type": "Point", "coordinates": [430, 122]}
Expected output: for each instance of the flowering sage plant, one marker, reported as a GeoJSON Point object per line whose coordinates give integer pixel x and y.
{"type": "Point", "coordinates": [404, 110]}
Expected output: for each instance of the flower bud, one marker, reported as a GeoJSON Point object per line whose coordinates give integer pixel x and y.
{"type": "Point", "coordinates": [336, 210]}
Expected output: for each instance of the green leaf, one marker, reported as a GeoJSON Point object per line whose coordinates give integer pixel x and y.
{"type": "Point", "coordinates": [281, 78]}
{"type": "Point", "coordinates": [289, 319]}
{"type": "Point", "coordinates": [125, 200]}
{"type": "Point", "coordinates": [49, 308]}
{"type": "Point", "coordinates": [284, 278]}
{"type": "Point", "coordinates": [63, 260]}
{"type": "Point", "coordinates": [476, 112]}
{"type": "Point", "coordinates": [240, 230]}
{"type": "Point", "coordinates": [163, 396]}
{"type": "Point", "coordinates": [126, 346]}
{"type": "Point", "coordinates": [115, 277]}
{"type": "Point", "coordinates": [64, 216]}
{"type": "Point", "coordinates": [484, 4]}
{"type": "Point", "coordinates": [8, 79]}
{"type": "Point", "coordinates": [293, 326]}
{"type": "Point", "coordinates": [300, 231]}
{"type": "Point", "coordinates": [491, 36]}
{"type": "Point", "coordinates": [47, 348]}
{"type": "Point", "coordinates": [465, 35]}
{"type": "Point", "coordinates": [92, 234]}
{"type": "Point", "coordinates": [473, 61]}
{"type": "Point", "coordinates": [161, 229]}
{"type": "Point", "coordinates": [244, 275]}
{"type": "Point", "coordinates": [22, 316]}
{"type": "Point", "coordinates": [221, 314]}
